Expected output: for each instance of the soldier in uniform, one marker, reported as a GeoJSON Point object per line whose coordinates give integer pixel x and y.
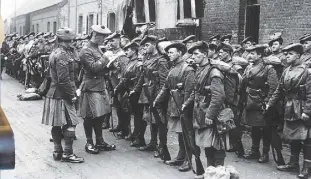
{"type": "Point", "coordinates": [129, 83]}
{"type": "Point", "coordinates": [258, 84]}
{"type": "Point", "coordinates": [207, 105]}
{"type": "Point", "coordinates": [226, 39]}
{"type": "Point", "coordinates": [59, 110]}
{"type": "Point", "coordinates": [306, 43]}
{"type": "Point", "coordinates": [247, 42]}
{"type": "Point", "coordinates": [276, 48]}
{"type": "Point", "coordinates": [155, 70]}
{"type": "Point", "coordinates": [117, 64]}
{"type": "Point", "coordinates": [212, 51]}
{"type": "Point", "coordinates": [295, 88]}
{"type": "Point", "coordinates": [225, 52]}
{"type": "Point", "coordinates": [188, 41]}
{"type": "Point", "coordinates": [181, 80]}
{"type": "Point", "coordinates": [94, 100]}
{"type": "Point", "coordinates": [214, 39]}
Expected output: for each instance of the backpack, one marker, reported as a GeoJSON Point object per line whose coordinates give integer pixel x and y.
{"type": "Point", "coordinates": [232, 81]}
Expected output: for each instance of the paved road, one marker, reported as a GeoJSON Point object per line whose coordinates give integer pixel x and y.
{"type": "Point", "coordinates": [34, 151]}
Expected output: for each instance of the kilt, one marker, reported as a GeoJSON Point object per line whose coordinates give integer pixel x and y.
{"type": "Point", "coordinates": [59, 112]}
{"type": "Point", "coordinates": [174, 124]}
{"type": "Point", "coordinates": [296, 130]}
{"type": "Point", "coordinates": [208, 137]}
{"type": "Point", "coordinates": [94, 104]}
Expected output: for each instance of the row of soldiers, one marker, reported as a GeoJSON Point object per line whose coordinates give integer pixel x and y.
{"type": "Point", "coordinates": [181, 86]}
{"type": "Point", "coordinates": [26, 57]}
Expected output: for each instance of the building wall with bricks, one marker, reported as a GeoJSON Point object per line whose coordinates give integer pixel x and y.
{"type": "Point", "coordinates": [222, 17]}
{"type": "Point", "coordinates": [293, 18]}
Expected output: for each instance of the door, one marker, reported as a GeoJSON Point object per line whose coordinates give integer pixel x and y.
{"type": "Point", "coordinates": [252, 21]}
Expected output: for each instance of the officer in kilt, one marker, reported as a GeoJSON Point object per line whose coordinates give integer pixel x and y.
{"type": "Point", "coordinates": [94, 101]}
{"type": "Point", "coordinates": [295, 88]}
{"type": "Point", "coordinates": [59, 110]}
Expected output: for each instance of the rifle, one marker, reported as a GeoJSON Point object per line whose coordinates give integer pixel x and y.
{"type": "Point", "coordinates": [200, 170]}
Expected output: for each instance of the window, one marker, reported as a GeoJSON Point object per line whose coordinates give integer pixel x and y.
{"type": "Point", "coordinates": [111, 21]}
{"type": "Point", "coordinates": [33, 28]}
{"type": "Point", "coordinates": [91, 22]}
{"type": "Point", "coordinates": [187, 9]}
{"type": "Point", "coordinates": [20, 30]}
{"type": "Point", "coordinates": [80, 24]}
{"type": "Point", "coordinates": [97, 19]}
{"type": "Point", "coordinates": [48, 27]}
{"type": "Point", "coordinates": [37, 28]}
{"type": "Point", "coordinates": [145, 11]}
{"type": "Point", "coordinates": [54, 27]}
{"type": "Point", "coordinates": [24, 30]}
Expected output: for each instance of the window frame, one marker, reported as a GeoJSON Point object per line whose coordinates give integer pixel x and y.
{"type": "Point", "coordinates": [146, 12]}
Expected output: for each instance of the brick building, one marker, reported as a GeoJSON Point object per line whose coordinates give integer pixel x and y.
{"type": "Point", "coordinates": [38, 16]}
{"type": "Point", "coordinates": [174, 19]}
{"type": "Point", "coordinates": [259, 18]}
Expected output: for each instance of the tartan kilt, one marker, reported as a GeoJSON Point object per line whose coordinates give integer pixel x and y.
{"type": "Point", "coordinates": [59, 112]}
{"type": "Point", "coordinates": [94, 104]}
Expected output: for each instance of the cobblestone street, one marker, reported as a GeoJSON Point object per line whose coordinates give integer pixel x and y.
{"type": "Point", "coordinates": [34, 151]}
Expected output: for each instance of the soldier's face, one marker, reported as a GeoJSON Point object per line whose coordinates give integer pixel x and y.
{"type": "Point", "coordinates": [226, 41]}
{"type": "Point", "coordinates": [129, 52]}
{"type": "Point", "coordinates": [189, 44]}
{"type": "Point", "coordinates": [291, 57]}
{"type": "Point", "coordinates": [253, 57]}
{"type": "Point", "coordinates": [276, 46]}
{"type": "Point", "coordinates": [247, 44]}
{"type": "Point", "coordinates": [211, 53]}
{"type": "Point", "coordinates": [214, 41]}
{"type": "Point", "coordinates": [31, 37]}
{"type": "Point", "coordinates": [149, 48]}
{"type": "Point", "coordinates": [173, 54]}
{"type": "Point", "coordinates": [198, 56]}
{"type": "Point", "coordinates": [223, 55]}
{"type": "Point", "coordinates": [307, 46]}
{"type": "Point", "coordinates": [114, 43]}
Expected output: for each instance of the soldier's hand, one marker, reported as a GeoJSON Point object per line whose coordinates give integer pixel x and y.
{"type": "Point", "coordinates": [267, 107]}
{"type": "Point", "coordinates": [208, 121]}
{"type": "Point", "coordinates": [305, 117]}
{"type": "Point", "coordinates": [115, 91]}
{"type": "Point", "coordinates": [183, 107]}
{"type": "Point", "coordinates": [74, 100]}
{"type": "Point", "coordinates": [132, 92]}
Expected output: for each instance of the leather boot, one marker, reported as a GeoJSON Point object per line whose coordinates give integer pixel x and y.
{"type": "Point", "coordinates": [164, 154]}
{"type": "Point", "coordinates": [57, 155]}
{"type": "Point", "coordinates": [103, 146]}
{"type": "Point", "coordinates": [176, 161]}
{"type": "Point", "coordinates": [292, 166]}
{"type": "Point", "coordinates": [152, 146]}
{"type": "Point", "coordinates": [264, 158]}
{"type": "Point", "coordinates": [117, 129]}
{"type": "Point", "coordinates": [185, 166]}
{"type": "Point", "coordinates": [72, 158]}
{"type": "Point", "coordinates": [90, 148]}
{"type": "Point", "coordinates": [139, 142]}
